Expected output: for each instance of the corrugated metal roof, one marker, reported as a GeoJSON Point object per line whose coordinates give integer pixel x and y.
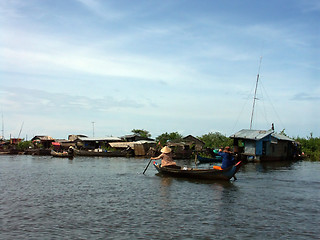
{"type": "Point", "coordinates": [100, 139]}
{"type": "Point", "coordinates": [252, 134]}
{"type": "Point", "coordinates": [259, 134]}
{"type": "Point", "coordinates": [282, 137]}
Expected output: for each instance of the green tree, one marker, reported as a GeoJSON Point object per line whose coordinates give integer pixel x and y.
{"type": "Point", "coordinates": [141, 133]}
{"type": "Point", "coordinates": [165, 137]}
{"type": "Point", "coordinates": [215, 140]}
{"type": "Point", "coordinates": [24, 145]}
{"type": "Point", "coordinates": [310, 146]}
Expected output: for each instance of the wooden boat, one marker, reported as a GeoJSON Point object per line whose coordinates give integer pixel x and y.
{"type": "Point", "coordinates": [61, 154]}
{"type": "Point", "coordinates": [211, 174]}
{"type": "Point", "coordinates": [209, 160]}
{"type": "Point", "coordinates": [99, 153]}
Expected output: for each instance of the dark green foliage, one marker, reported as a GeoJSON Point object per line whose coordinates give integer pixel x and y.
{"type": "Point", "coordinates": [216, 140]}
{"type": "Point", "coordinates": [165, 137]}
{"type": "Point", "coordinates": [141, 133]}
{"type": "Point", "coordinates": [24, 145]}
{"type": "Point", "coordinates": [310, 146]}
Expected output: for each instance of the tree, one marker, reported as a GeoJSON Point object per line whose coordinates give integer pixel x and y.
{"type": "Point", "coordinates": [24, 145]}
{"type": "Point", "coordinates": [310, 146]}
{"type": "Point", "coordinates": [165, 137]}
{"type": "Point", "coordinates": [215, 140]}
{"type": "Point", "coordinates": [141, 133]}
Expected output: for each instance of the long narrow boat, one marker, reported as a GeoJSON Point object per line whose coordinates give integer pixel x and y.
{"type": "Point", "coordinates": [100, 154]}
{"type": "Point", "coordinates": [209, 160]}
{"type": "Point", "coordinates": [61, 154]}
{"type": "Point", "coordinates": [211, 174]}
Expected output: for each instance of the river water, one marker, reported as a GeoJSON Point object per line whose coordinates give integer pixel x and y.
{"type": "Point", "coordinates": [110, 198]}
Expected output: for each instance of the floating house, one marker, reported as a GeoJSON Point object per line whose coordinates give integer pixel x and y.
{"type": "Point", "coordinates": [95, 143]}
{"type": "Point", "coordinates": [15, 141]}
{"type": "Point", "coordinates": [135, 138]}
{"type": "Point", "coordinates": [262, 145]}
{"type": "Point", "coordinates": [63, 144]}
{"type": "Point", "coordinates": [194, 142]}
{"type": "Point", "coordinates": [139, 148]}
{"type": "Point", "coordinates": [74, 137]}
{"type": "Point", "coordinates": [45, 141]}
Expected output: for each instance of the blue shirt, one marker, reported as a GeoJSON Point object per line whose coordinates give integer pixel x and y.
{"type": "Point", "coordinates": [227, 159]}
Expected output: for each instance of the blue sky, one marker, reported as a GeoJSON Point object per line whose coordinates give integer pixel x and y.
{"type": "Point", "coordinates": [163, 66]}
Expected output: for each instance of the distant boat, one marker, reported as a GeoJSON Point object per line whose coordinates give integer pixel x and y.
{"type": "Point", "coordinates": [61, 154]}
{"type": "Point", "coordinates": [209, 160]}
{"type": "Point", "coordinates": [100, 153]}
{"type": "Point", "coordinates": [210, 174]}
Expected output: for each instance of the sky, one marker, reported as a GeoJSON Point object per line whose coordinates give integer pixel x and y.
{"type": "Point", "coordinates": [104, 68]}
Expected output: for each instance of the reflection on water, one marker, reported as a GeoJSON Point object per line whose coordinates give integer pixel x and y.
{"type": "Point", "coordinates": [110, 198]}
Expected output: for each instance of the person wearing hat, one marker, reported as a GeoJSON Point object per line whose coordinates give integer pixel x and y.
{"type": "Point", "coordinates": [227, 158]}
{"type": "Point", "coordinates": [166, 157]}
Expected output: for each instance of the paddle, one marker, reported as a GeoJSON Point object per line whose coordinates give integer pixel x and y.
{"type": "Point", "coordinates": [147, 166]}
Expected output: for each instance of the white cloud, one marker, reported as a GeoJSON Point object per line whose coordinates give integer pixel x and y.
{"type": "Point", "coordinates": [102, 9]}
{"type": "Point", "coordinates": [156, 66]}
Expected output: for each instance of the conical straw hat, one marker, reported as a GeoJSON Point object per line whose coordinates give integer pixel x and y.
{"type": "Point", "coordinates": [166, 149]}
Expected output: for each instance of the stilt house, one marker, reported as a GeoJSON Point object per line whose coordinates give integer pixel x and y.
{"type": "Point", "coordinates": [263, 145]}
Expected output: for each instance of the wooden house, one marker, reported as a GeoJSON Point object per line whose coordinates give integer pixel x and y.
{"type": "Point", "coordinates": [74, 137]}
{"type": "Point", "coordinates": [135, 138]}
{"type": "Point", "coordinates": [263, 145]}
{"type": "Point", "coordinates": [95, 143]}
{"type": "Point", "coordinates": [45, 141]}
{"type": "Point", "coordinates": [63, 144]}
{"type": "Point", "coordinates": [194, 143]}
{"type": "Point", "coordinates": [139, 148]}
{"type": "Point", "coordinates": [15, 141]}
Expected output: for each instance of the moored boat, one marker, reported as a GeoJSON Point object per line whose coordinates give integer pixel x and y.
{"type": "Point", "coordinates": [209, 160]}
{"type": "Point", "coordinates": [210, 173]}
{"type": "Point", "coordinates": [61, 154]}
{"type": "Point", "coordinates": [99, 153]}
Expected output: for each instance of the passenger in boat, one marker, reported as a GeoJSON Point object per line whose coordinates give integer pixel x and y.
{"type": "Point", "coordinates": [227, 158]}
{"type": "Point", "coordinates": [166, 157]}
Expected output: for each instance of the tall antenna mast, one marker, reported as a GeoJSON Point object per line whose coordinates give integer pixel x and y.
{"type": "Point", "coordinates": [255, 93]}
{"type": "Point", "coordinates": [2, 127]}
{"type": "Point", "coordinates": [20, 129]}
{"type": "Point", "coordinates": [93, 128]}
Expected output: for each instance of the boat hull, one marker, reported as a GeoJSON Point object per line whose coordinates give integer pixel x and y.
{"type": "Point", "coordinates": [61, 155]}
{"type": "Point", "coordinates": [210, 174]}
{"type": "Point", "coordinates": [99, 154]}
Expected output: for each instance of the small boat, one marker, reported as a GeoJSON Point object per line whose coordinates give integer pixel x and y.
{"type": "Point", "coordinates": [99, 153]}
{"type": "Point", "coordinates": [209, 173]}
{"type": "Point", "coordinates": [209, 160]}
{"type": "Point", "coordinates": [61, 154]}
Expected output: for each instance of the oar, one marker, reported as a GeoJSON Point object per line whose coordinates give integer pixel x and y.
{"type": "Point", "coordinates": [147, 166]}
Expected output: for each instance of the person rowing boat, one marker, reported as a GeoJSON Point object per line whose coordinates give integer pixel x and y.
{"type": "Point", "coordinates": [227, 159]}
{"type": "Point", "coordinates": [166, 157]}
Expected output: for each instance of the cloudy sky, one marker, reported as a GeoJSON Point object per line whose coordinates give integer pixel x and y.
{"type": "Point", "coordinates": [163, 66]}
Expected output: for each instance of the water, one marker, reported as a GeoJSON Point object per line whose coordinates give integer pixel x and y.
{"type": "Point", "coordinates": [110, 198]}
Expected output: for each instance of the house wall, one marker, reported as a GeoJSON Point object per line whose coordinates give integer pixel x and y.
{"type": "Point", "coordinates": [198, 145]}
{"type": "Point", "coordinates": [259, 146]}
{"type": "Point", "coordinates": [250, 147]}
{"type": "Point", "coordinates": [256, 147]}
{"type": "Point", "coordinates": [279, 149]}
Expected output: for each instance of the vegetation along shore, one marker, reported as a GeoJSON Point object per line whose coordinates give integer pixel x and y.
{"type": "Point", "coordinates": [140, 143]}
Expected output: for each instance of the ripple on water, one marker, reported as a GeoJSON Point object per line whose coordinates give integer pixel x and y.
{"type": "Point", "coordinates": [104, 198]}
